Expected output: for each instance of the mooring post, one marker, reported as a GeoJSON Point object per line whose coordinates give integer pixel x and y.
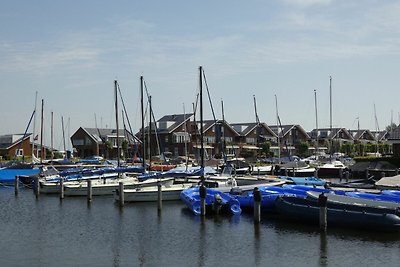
{"type": "Point", "coordinates": [341, 174]}
{"type": "Point", "coordinates": [366, 174]}
{"type": "Point", "coordinates": [217, 204]}
{"type": "Point", "coordinates": [286, 172]}
{"type": "Point", "coordinates": [36, 186]}
{"type": "Point", "coordinates": [159, 195]}
{"type": "Point", "coordinates": [16, 185]}
{"type": "Point", "coordinates": [62, 188]}
{"type": "Point", "coordinates": [257, 205]}
{"type": "Point", "coordinates": [323, 210]}
{"type": "Point", "coordinates": [121, 194]}
{"type": "Point", "coordinates": [89, 190]}
{"type": "Point", "coordinates": [347, 175]}
{"type": "Point", "coordinates": [203, 194]}
{"type": "Point", "coordinates": [294, 172]}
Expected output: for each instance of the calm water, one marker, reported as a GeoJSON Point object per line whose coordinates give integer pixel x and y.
{"type": "Point", "coordinates": [50, 232]}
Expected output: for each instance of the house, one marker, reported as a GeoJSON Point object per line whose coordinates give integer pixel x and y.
{"type": "Point", "coordinates": [290, 138]}
{"type": "Point", "coordinates": [338, 137]}
{"type": "Point", "coordinates": [252, 135]}
{"type": "Point", "coordinates": [103, 142]}
{"type": "Point", "coordinates": [219, 137]}
{"type": "Point", "coordinates": [394, 140]}
{"type": "Point", "coordinates": [173, 135]}
{"type": "Point", "coordinates": [15, 145]}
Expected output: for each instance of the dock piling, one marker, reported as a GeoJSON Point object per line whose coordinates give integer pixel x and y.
{"type": "Point", "coordinates": [159, 195]}
{"type": "Point", "coordinates": [203, 194]}
{"type": "Point", "coordinates": [16, 185]}
{"type": "Point", "coordinates": [257, 205]}
{"type": "Point", "coordinates": [62, 188]}
{"type": "Point", "coordinates": [89, 190]}
{"type": "Point", "coordinates": [36, 186]}
{"type": "Point", "coordinates": [322, 203]}
{"type": "Point", "coordinates": [121, 194]}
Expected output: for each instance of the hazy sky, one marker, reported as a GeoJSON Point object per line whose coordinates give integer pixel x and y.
{"type": "Point", "coordinates": [71, 52]}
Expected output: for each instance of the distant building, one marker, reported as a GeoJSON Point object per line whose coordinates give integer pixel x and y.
{"type": "Point", "coordinates": [15, 145]}
{"type": "Point", "coordinates": [394, 140]}
{"type": "Point", "coordinates": [103, 142]}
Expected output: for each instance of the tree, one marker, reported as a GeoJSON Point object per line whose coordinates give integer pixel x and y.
{"type": "Point", "coordinates": [302, 148]}
{"type": "Point", "coordinates": [390, 127]}
{"type": "Point", "coordinates": [108, 148]}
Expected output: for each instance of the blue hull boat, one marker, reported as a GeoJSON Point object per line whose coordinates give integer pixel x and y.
{"type": "Point", "coordinates": [270, 193]}
{"type": "Point", "coordinates": [341, 210]}
{"type": "Point", "coordinates": [191, 197]}
{"type": "Point", "coordinates": [7, 175]}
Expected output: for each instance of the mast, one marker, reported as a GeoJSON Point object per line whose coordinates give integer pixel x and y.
{"type": "Point", "coordinates": [185, 130]}
{"type": "Point", "coordinates": [277, 129]}
{"type": "Point", "coordinates": [41, 135]}
{"type": "Point", "coordinates": [330, 116]}
{"type": "Point", "coordinates": [150, 121]}
{"type": "Point", "coordinates": [52, 138]}
{"type": "Point", "coordinates": [223, 125]}
{"type": "Point", "coordinates": [63, 131]}
{"type": "Point", "coordinates": [116, 120]}
{"type": "Point", "coordinates": [34, 129]}
{"type": "Point", "coordinates": [143, 134]}
{"type": "Point", "coordinates": [201, 124]}
{"type": "Point", "coordinates": [316, 123]}
{"type": "Point", "coordinates": [257, 122]}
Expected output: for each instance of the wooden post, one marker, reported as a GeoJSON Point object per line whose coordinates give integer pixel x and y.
{"type": "Point", "coordinates": [341, 174]}
{"type": "Point", "coordinates": [203, 194]}
{"type": "Point", "coordinates": [294, 172]}
{"type": "Point", "coordinates": [16, 185]}
{"type": "Point", "coordinates": [316, 172]}
{"type": "Point", "coordinates": [159, 195]}
{"type": "Point", "coordinates": [89, 190]}
{"type": "Point", "coordinates": [286, 172]}
{"type": "Point", "coordinates": [366, 174]}
{"type": "Point", "coordinates": [36, 186]}
{"type": "Point", "coordinates": [347, 175]}
{"type": "Point", "coordinates": [322, 203]}
{"type": "Point", "coordinates": [121, 194]}
{"type": "Point", "coordinates": [62, 188]}
{"type": "Point", "coordinates": [257, 204]}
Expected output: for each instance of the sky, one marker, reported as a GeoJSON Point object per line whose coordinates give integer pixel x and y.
{"type": "Point", "coordinates": [69, 53]}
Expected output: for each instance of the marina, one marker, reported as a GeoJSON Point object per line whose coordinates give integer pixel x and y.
{"type": "Point", "coordinates": [72, 232]}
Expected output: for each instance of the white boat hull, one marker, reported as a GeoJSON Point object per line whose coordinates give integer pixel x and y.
{"type": "Point", "coordinates": [150, 193]}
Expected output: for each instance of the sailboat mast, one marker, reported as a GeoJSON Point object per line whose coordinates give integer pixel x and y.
{"type": "Point", "coordinates": [201, 123]}
{"type": "Point", "coordinates": [257, 122]}
{"type": "Point", "coordinates": [52, 138]}
{"type": "Point", "coordinates": [150, 121]}
{"type": "Point", "coordinates": [34, 129]}
{"type": "Point", "coordinates": [277, 129]}
{"type": "Point", "coordinates": [41, 135]}
{"type": "Point", "coordinates": [143, 134]}
{"type": "Point", "coordinates": [63, 131]}
{"type": "Point", "coordinates": [316, 123]}
{"type": "Point", "coordinates": [330, 103]}
{"type": "Point", "coordinates": [116, 120]}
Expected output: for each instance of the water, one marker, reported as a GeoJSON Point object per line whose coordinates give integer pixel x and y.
{"type": "Point", "coordinates": [50, 232]}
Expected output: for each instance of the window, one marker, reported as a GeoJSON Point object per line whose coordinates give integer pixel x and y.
{"type": "Point", "coordinates": [19, 152]}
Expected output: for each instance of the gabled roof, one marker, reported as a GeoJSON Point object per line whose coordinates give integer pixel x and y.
{"type": "Point", "coordinates": [331, 134]}
{"type": "Point", "coordinates": [169, 123]}
{"type": "Point", "coordinates": [283, 130]}
{"type": "Point", "coordinates": [381, 135]}
{"type": "Point", "coordinates": [360, 134]}
{"type": "Point", "coordinates": [208, 124]}
{"type": "Point", "coordinates": [245, 128]}
{"type": "Point", "coordinates": [9, 140]}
